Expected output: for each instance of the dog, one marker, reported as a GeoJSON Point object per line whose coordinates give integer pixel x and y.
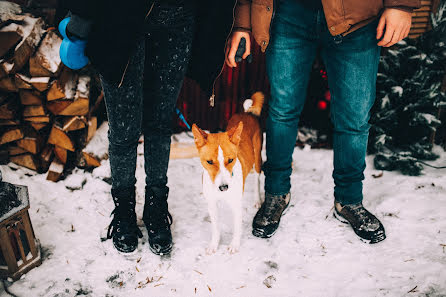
{"type": "Point", "coordinates": [227, 159]}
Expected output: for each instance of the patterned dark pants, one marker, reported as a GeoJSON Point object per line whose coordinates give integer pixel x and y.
{"type": "Point", "coordinates": [145, 101]}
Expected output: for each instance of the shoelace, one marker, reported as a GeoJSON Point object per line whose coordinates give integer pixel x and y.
{"type": "Point", "coordinates": [127, 226]}
{"type": "Point", "coordinates": [271, 206]}
{"type": "Point", "coordinates": [360, 213]}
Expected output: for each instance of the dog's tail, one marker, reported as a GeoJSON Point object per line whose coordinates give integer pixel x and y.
{"type": "Point", "coordinates": [255, 104]}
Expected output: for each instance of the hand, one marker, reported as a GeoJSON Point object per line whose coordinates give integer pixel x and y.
{"type": "Point", "coordinates": [232, 45]}
{"type": "Point", "coordinates": [397, 24]}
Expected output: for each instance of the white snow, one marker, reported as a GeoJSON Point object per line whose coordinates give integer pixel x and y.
{"type": "Point", "coordinates": [312, 254]}
{"type": "Point", "coordinates": [48, 52]}
{"type": "Point", "coordinates": [98, 145]}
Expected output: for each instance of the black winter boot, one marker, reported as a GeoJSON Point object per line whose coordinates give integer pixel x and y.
{"type": "Point", "coordinates": [364, 224]}
{"type": "Point", "coordinates": [267, 218]}
{"type": "Point", "coordinates": [123, 228]}
{"type": "Point", "coordinates": [157, 219]}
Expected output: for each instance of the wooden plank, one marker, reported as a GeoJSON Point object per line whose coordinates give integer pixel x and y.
{"type": "Point", "coordinates": [40, 83]}
{"type": "Point", "coordinates": [8, 41]}
{"type": "Point", "coordinates": [57, 106]}
{"type": "Point", "coordinates": [32, 144]}
{"type": "Point", "coordinates": [7, 251]}
{"type": "Point", "coordinates": [9, 122]}
{"type": "Point", "coordinates": [55, 92]}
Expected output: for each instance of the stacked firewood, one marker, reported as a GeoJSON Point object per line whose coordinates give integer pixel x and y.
{"type": "Point", "coordinates": [46, 113]}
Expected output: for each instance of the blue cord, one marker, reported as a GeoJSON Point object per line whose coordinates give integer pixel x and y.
{"type": "Point", "coordinates": [182, 118]}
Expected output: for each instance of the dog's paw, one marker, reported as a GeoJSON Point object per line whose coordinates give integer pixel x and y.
{"type": "Point", "coordinates": [258, 204]}
{"type": "Point", "coordinates": [233, 248]}
{"type": "Point", "coordinates": [211, 249]}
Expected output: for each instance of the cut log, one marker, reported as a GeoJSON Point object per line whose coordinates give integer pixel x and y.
{"type": "Point", "coordinates": [4, 156]}
{"type": "Point", "coordinates": [34, 111]}
{"type": "Point", "coordinates": [8, 107]}
{"type": "Point", "coordinates": [46, 156]}
{"type": "Point", "coordinates": [40, 119]}
{"type": "Point", "coordinates": [73, 123]}
{"type": "Point", "coordinates": [96, 149]}
{"type": "Point", "coordinates": [55, 171]}
{"type": "Point", "coordinates": [11, 134]}
{"type": "Point", "coordinates": [22, 81]}
{"type": "Point", "coordinates": [15, 150]}
{"type": "Point", "coordinates": [7, 84]}
{"type": "Point", "coordinates": [9, 122]}
{"type": "Point", "coordinates": [57, 106]}
{"type": "Point", "coordinates": [46, 61]}
{"type": "Point", "coordinates": [38, 126]}
{"type": "Point", "coordinates": [6, 66]}
{"type": "Point", "coordinates": [88, 160]}
{"type": "Point", "coordinates": [40, 83]}
{"type": "Point", "coordinates": [31, 144]}
{"type": "Point", "coordinates": [28, 97]}
{"type": "Point", "coordinates": [58, 137]}
{"type": "Point", "coordinates": [61, 154]}
{"type": "Point", "coordinates": [77, 107]}
{"type": "Point", "coordinates": [31, 30]}
{"type": "Point", "coordinates": [25, 160]}
{"type": "Point", "coordinates": [55, 92]}
{"type": "Point", "coordinates": [8, 41]}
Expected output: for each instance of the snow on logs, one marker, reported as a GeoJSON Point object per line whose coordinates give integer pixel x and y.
{"type": "Point", "coordinates": [46, 114]}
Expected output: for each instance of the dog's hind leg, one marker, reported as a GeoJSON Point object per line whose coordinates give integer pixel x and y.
{"type": "Point", "coordinates": [257, 144]}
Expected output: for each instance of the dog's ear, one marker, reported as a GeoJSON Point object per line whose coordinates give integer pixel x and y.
{"type": "Point", "coordinates": [199, 136]}
{"type": "Point", "coordinates": [235, 133]}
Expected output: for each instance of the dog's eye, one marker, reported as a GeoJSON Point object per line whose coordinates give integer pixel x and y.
{"type": "Point", "coordinates": [230, 161]}
{"type": "Point", "coordinates": [210, 162]}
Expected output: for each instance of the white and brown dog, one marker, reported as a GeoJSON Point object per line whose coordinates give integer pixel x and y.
{"type": "Point", "coordinates": [227, 159]}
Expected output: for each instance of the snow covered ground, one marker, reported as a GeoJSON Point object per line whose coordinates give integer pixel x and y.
{"type": "Point", "coordinates": [312, 254]}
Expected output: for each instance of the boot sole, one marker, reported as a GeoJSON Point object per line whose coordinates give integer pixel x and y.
{"type": "Point", "coordinates": [369, 241]}
{"type": "Point", "coordinates": [261, 234]}
{"type": "Point", "coordinates": [162, 252]}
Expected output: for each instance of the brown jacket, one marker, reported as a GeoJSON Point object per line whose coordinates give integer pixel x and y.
{"type": "Point", "coordinates": [343, 16]}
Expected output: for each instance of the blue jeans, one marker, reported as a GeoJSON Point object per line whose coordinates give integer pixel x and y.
{"type": "Point", "coordinates": [351, 61]}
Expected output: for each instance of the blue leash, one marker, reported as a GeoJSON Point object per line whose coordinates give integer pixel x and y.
{"type": "Point", "coordinates": [182, 118]}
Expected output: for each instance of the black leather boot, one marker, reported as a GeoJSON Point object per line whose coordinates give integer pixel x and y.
{"type": "Point", "coordinates": [123, 228]}
{"type": "Point", "coordinates": [157, 219]}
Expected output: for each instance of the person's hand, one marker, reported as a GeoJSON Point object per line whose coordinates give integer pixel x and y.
{"type": "Point", "coordinates": [232, 45]}
{"type": "Point", "coordinates": [397, 26]}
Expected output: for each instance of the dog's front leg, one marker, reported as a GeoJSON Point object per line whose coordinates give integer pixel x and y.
{"type": "Point", "coordinates": [213, 213]}
{"type": "Point", "coordinates": [237, 216]}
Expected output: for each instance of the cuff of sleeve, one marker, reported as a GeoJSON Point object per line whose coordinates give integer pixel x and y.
{"type": "Point", "coordinates": [402, 3]}
{"type": "Point", "coordinates": [243, 16]}
{"type": "Point", "coordinates": [403, 8]}
{"type": "Point", "coordinates": [79, 27]}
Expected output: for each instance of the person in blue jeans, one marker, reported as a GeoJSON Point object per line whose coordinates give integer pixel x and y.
{"type": "Point", "coordinates": [299, 29]}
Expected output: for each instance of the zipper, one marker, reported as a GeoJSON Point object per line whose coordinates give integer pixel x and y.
{"type": "Point", "coordinates": [128, 61]}
{"type": "Point", "coordinates": [212, 98]}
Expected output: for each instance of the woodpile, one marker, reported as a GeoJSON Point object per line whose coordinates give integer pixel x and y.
{"type": "Point", "coordinates": [46, 110]}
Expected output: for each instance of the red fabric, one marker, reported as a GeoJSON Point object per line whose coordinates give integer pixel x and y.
{"type": "Point", "coordinates": [232, 87]}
